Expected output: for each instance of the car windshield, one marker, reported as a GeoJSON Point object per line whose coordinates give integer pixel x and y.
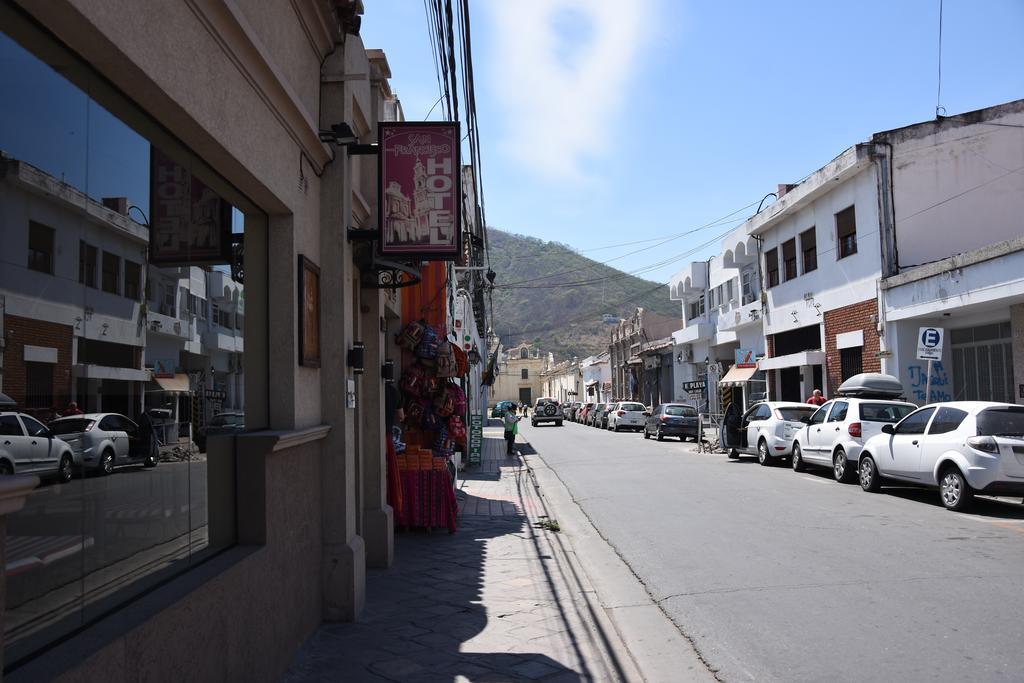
{"type": "Point", "coordinates": [1008, 421]}
{"type": "Point", "coordinates": [72, 426]}
{"type": "Point", "coordinates": [884, 412]}
{"type": "Point", "coordinates": [633, 407]}
{"type": "Point", "coordinates": [794, 413]}
{"type": "Point", "coordinates": [685, 411]}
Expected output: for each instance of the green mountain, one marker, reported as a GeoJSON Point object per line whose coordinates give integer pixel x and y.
{"type": "Point", "coordinates": [549, 295]}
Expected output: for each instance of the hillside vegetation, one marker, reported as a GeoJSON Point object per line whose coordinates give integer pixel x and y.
{"type": "Point", "coordinates": [563, 315]}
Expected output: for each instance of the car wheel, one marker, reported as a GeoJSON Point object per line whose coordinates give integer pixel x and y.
{"type": "Point", "coordinates": [558, 423]}
{"type": "Point", "coordinates": [797, 460]}
{"type": "Point", "coordinates": [616, 428]}
{"type": "Point", "coordinates": [6, 469]}
{"type": "Point", "coordinates": [840, 467]}
{"type": "Point", "coordinates": [868, 475]}
{"type": "Point", "coordinates": [660, 436]}
{"type": "Point", "coordinates": [64, 471]}
{"type": "Point", "coordinates": [956, 493]}
{"type": "Point", "coordinates": [733, 454]}
{"type": "Point", "coordinates": [647, 434]}
{"type": "Point", "coordinates": [763, 456]}
{"type": "Point", "coordinates": [106, 462]}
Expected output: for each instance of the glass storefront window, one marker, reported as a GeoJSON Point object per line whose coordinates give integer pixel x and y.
{"type": "Point", "coordinates": [109, 353]}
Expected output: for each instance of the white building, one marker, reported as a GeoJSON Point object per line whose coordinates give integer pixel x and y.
{"type": "Point", "coordinates": [563, 381]}
{"type": "Point", "coordinates": [71, 292]}
{"type": "Point", "coordinates": [596, 375]}
{"type": "Point", "coordinates": [958, 240]}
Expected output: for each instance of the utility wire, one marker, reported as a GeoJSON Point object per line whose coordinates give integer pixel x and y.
{"type": "Point", "coordinates": [938, 95]}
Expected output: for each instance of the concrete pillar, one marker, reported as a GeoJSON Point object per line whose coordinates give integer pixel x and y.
{"type": "Point", "coordinates": [344, 562]}
{"type": "Point", "coordinates": [378, 517]}
{"type": "Point", "coordinates": [1017, 331]}
{"type": "Point", "coordinates": [806, 381]}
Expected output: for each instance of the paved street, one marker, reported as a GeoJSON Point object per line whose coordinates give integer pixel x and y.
{"type": "Point", "coordinates": [782, 576]}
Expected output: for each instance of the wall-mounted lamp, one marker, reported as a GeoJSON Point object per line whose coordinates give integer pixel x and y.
{"type": "Point", "coordinates": [387, 371]}
{"type": "Point", "coordinates": [342, 135]}
{"type": "Point", "coordinates": [355, 357]}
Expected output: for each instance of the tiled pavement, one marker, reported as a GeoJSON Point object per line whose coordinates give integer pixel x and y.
{"type": "Point", "coordinates": [499, 600]}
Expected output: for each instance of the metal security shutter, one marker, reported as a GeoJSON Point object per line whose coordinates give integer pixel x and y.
{"type": "Point", "coordinates": [983, 363]}
{"type": "Point", "coordinates": [851, 362]}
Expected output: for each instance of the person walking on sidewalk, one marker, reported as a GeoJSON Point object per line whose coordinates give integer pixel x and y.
{"type": "Point", "coordinates": [511, 423]}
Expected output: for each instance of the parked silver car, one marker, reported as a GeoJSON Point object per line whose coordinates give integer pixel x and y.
{"type": "Point", "coordinates": [103, 441]}
{"type": "Point", "coordinates": [27, 446]}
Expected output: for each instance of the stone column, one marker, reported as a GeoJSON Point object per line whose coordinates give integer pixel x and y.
{"type": "Point", "coordinates": [344, 562]}
{"type": "Point", "coordinates": [378, 517]}
{"type": "Point", "coordinates": [13, 492]}
{"type": "Point", "coordinates": [1017, 330]}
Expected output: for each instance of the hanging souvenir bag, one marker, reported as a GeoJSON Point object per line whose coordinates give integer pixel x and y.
{"type": "Point", "coordinates": [443, 404]}
{"type": "Point", "coordinates": [414, 381]}
{"type": "Point", "coordinates": [461, 361]}
{"type": "Point", "coordinates": [427, 349]}
{"type": "Point", "coordinates": [446, 363]}
{"type": "Point", "coordinates": [458, 398]}
{"type": "Point", "coordinates": [411, 335]}
{"type": "Point", "coordinates": [457, 430]}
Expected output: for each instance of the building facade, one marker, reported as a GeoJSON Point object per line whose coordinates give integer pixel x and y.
{"type": "Point", "coordinates": [283, 542]}
{"type": "Point", "coordinates": [519, 375]}
{"type": "Point", "coordinates": [630, 378]}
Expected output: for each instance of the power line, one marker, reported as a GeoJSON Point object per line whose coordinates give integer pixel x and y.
{"type": "Point", "coordinates": [938, 95]}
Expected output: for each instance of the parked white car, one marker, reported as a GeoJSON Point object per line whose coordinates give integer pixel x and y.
{"type": "Point", "coordinates": [103, 441]}
{"type": "Point", "coordinates": [627, 415]}
{"type": "Point", "coordinates": [28, 447]}
{"type": "Point", "coordinates": [960, 447]}
{"type": "Point", "coordinates": [836, 433]}
{"type": "Point", "coordinates": [767, 430]}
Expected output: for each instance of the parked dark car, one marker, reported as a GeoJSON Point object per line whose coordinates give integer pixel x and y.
{"type": "Point", "coordinates": [672, 419]}
{"type": "Point", "coordinates": [501, 407]}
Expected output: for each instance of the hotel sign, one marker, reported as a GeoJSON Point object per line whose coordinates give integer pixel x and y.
{"type": "Point", "coordinates": [420, 191]}
{"type": "Point", "coordinates": [189, 222]}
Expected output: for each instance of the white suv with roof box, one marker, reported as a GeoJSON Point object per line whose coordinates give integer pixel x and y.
{"type": "Point", "coordinates": [547, 410]}
{"type": "Point", "coordinates": [836, 432]}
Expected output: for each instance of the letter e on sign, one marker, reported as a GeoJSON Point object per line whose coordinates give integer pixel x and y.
{"type": "Point", "coordinates": [929, 343]}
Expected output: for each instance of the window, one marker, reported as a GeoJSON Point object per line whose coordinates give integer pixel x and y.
{"type": "Point", "coordinates": [214, 313]}
{"type": "Point", "coordinates": [111, 272]}
{"type": "Point", "coordinates": [1007, 421]}
{"type": "Point", "coordinates": [730, 290]}
{"type": "Point", "coordinates": [946, 420]}
{"type": "Point", "coordinates": [839, 410]}
{"type": "Point", "coordinates": [682, 411]}
{"type": "Point", "coordinates": [34, 427]}
{"type": "Point", "coordinates": [793, 414]}
{"type": "Point", "coordinates": [851, 362]}
{"type": "Point", "coordinates": [789, 259]}
{"type": "Point", "coordinates": [132, 280]}
{"type": "Point", "coordinates": [809, 249]}
{"type": "Point", "coordinates": [168, 306]}
{"type": "Point", "coordinates": [846, 232]}
{"type": "Point", "coordinates": [525, 373]}
{"type": "Point", "coordinates": [915, 422]}
{"type": "Point", "coordinates": [696, 308]}
{"type": "Point", "coordinates": [711, 298]}
{"type": "Point", "coordinates": [9, 426]}
{"type": "Point", "coordinates": [238, 321]}
{"type": "Point", "coordinates": [747, 282]}
{"type": "Point", "coordinates": [884, 412]}
{"type": "Point", "coordinates": [40, 247]}
{"type": "Point", "coordinates": [225, 319]}
{"type": "Point", "coordinates": [86, 264]}
{"type": "Point", "coordinates": [38, 385]}
{"type": "Point", "coordinates": [202, 309]}
{"type": "Point", "coordinates": [819, 415]}
{"type": "Point", "coordinates": [524, 353]}
{"type": "Point", "coordinates": [771, 266]}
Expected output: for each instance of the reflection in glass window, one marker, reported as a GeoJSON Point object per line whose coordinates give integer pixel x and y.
{"type": "Point", "coordinates": [111, 272]}
{"type": "Point", "coordinates": [40, 247]}
{"type": "Point", "coordinates": [86, 264]}
{"type": "Point", "coordinates": [132, 278]}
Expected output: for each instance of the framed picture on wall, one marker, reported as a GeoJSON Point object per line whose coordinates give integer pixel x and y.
{"type": "Point", "coordinates": [309, 313]}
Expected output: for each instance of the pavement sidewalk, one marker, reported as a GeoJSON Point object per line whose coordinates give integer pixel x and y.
{"type": "Point", "coordinates": [505, 598]}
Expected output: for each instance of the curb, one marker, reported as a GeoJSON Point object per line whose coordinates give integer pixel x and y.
{"type": "Point", "coordinates": [653, 643]}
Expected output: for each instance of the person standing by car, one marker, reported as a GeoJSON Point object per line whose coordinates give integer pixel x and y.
{"type": "Point", "coordinates": [72, 410]}
{"type": "Point", "coordinates": [816, 398]}
{"type": "Point", "coordinates": [511, 423]}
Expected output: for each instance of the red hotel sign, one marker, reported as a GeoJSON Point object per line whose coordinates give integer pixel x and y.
{"type": "Point", "coordinates": [189, 222]}
{"type": "Point", "coordinates": [420, 191]}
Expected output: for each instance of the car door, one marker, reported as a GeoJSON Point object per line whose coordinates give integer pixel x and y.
{"type": "Point", "coordinates": [812, 445]}
{"type": "Point", "coordinates": [651, 422]}
{"type": "Point", "coordinates": [832, 430]}
{"type": "Point", "coordinates": [758, 415]}
{"type": "Point", "coordinates": [14, 443]}
{"type": "Point", "coordinates": [40, 448]}
{"type": "Point", "coordinates": [117, 434]}
{"type": "Point", "coordinates": [905, 445]}
{"type": "Point", "coordinates": [939, 438]}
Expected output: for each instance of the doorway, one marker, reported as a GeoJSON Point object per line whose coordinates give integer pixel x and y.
{"type": "Point", "coordinates": [525, 396]}
{"type": "Point", "coordinates": [789, 384]}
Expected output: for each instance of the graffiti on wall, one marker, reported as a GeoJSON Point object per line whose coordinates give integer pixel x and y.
{"type": "Point", "coordinates": [942, 386]}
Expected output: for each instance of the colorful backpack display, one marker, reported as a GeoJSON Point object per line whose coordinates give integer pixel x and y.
{"type": "Point", "coordinates": [457, 397]}
{"type": "Point", "coordinates": [447, 365]}
{"type": "Point", "coordinates": [411, 335]}
{"type": "Point", "coordinates": [457, 430]}
{"type": "Point", "coordinates": [415, 382]}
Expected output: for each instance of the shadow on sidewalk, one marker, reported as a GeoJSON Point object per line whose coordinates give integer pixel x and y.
{"type": "Point", "coordinates": [490, 602]}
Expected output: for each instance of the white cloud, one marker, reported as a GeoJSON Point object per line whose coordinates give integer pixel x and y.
{"type": "Point", "coordinates": [562, 70]}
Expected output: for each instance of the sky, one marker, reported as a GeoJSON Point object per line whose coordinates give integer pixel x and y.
{"type": "Point", "coordinates": [604, 123]}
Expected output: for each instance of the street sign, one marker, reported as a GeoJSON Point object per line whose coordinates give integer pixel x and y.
{"type": "Point", "coordinates": [694, 386]}
{"type": "Point", "coordinates": [476, 438]}
{"type": "Point", "coordinates": [929, 343]}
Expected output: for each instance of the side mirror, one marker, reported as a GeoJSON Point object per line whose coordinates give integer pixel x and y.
{"type": "Point", "coordinates": [806, 419]}
{"type": "Point", "coordinates": [888, 429]}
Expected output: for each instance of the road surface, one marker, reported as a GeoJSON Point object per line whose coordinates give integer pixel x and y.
{"type": "Point", "coordinates": [779, 576]}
